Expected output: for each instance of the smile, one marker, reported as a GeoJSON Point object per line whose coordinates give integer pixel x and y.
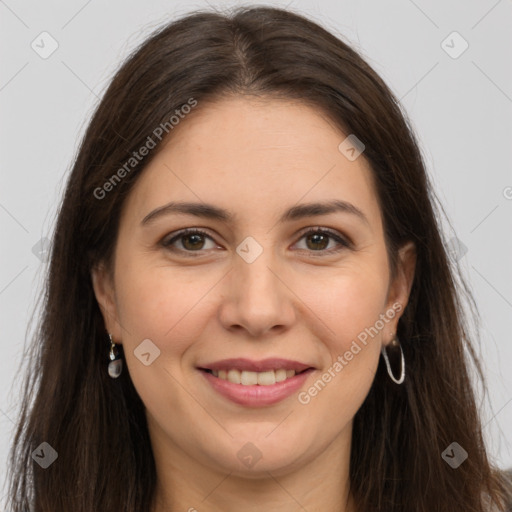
{"type": "Point", "coordinates": [256, 389]}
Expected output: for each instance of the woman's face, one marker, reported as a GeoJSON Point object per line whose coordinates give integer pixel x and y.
{"type": "Point", "coordinates": [254, 285]}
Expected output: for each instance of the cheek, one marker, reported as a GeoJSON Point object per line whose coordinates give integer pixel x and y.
{"type": "Point", "coordinates": [161, 303]}
{"type": "Point", "coordinates": [164, 306]}
{"type": "Point", "coordinates": [349, 302]}
{"type": "Point", "coordinates": [351, 307]}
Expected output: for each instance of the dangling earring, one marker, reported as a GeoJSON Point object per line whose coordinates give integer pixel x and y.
{"type": "Point", "coordinates": [115, 367]}
{"type": "Point", "coordinates": [394, 345]}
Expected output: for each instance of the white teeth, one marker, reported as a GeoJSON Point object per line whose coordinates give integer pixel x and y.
{"type": "Point", "coordinates": [266, 378]}
{"type": "Point", "coordinates": [252, 378]}
{"type": "Point", "coordinates": [234, 376]}
{"type": "Point", "coordinates": [280, 375]}
{"type": "Point", "coordinates": [248, 378]}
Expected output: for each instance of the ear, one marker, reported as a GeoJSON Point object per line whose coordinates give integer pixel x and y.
{"type": "Point", "coordinates": [103, 285]}
{"type": "Point", "coordinates": [400, 288]}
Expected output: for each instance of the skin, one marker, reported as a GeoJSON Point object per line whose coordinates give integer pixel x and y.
{"type": "Point", "coordinates": [255, 158]}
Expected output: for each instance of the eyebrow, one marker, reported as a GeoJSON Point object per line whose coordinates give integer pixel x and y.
{"type": "Point", "coordinates": [209, 211]}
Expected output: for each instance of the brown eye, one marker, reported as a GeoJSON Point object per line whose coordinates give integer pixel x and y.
{"type": "Point", "coordinates": [317, 241]}
{"type": "Point", "coordinates": [324, 241]}
{"type": "Point", "coordinates": [188, 240]}
{"type": "Point", "coordinates": [192, 242]}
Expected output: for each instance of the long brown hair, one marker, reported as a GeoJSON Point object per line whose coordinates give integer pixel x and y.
{"type": "Point", "coordinates": [97, 425]}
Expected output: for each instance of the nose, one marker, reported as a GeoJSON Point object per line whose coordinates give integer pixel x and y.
{"type": "Point", "coordinates": [258, 299]}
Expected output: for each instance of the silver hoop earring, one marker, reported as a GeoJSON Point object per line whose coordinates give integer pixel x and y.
{"type": "Point", "coordinates": [115, 367]}
{"type": "Point", "coordinates": [395, 344]}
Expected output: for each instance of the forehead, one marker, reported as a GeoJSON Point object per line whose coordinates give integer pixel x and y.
{"type": "Point", "coordinates": [254, 156]}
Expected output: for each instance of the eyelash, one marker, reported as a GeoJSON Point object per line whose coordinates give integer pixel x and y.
{"type": "Point", "coordinates": [167, 243]}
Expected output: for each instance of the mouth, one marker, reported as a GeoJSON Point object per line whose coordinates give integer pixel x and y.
{"type": "Point", "coordinates": [256, 383]}
{"type": "Point", "coordinates": [250, 378]}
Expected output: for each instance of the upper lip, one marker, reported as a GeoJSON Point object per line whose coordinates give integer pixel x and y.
{"type": "Point", "coordinates": [249, 365]}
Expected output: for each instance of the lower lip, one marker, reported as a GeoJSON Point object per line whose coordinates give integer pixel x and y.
{"type": "Point", "coordinates": [256, 395]}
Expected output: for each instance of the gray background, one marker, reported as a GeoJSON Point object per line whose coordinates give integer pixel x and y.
{"type": "Point", "coordinates": [460, 107]}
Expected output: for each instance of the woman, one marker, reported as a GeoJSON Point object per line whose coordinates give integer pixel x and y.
{"type": "Point", "coordinates": [249, 303]}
